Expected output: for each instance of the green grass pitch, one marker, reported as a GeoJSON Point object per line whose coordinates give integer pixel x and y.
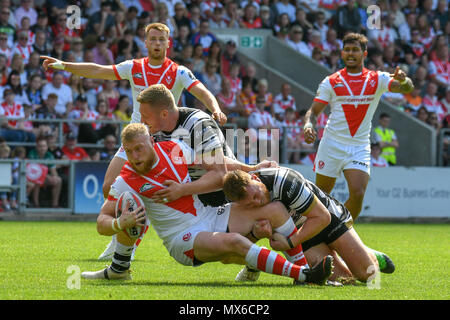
{"type": "Point", "coordinates": [40, 259]}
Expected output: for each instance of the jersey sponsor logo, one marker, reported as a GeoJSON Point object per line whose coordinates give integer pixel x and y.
{"type": "Point", "coordinates": [187, 236]}
{"type": "Point", "coordinates": [153, 74]}
{"type": "Point", "coordinates": [138, 75]}
{"type": "Point", "coordinates": [145, 187]}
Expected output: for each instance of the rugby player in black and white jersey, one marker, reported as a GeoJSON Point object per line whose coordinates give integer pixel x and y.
{"type": "Point", "coordinates": [308, 206]}
{"type": "Point", "coordinates": [198, 130]}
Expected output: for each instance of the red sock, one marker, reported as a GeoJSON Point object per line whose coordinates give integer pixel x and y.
{"type": "Point", "coordinates": [271, 262]}
{"type": "Point", "coordinates": [295, 255]}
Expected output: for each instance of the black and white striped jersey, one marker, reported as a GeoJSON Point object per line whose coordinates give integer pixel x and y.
{"type": "Point", "coordinates": [199, 131]}
{"type": "Point", "coordinates": [297, 193]}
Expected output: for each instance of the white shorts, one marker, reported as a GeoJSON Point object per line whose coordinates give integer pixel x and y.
{"type": "Point", "coordinates": [181, 247]}
{"type": "Point", "coordinates": [333, 157]}
{"type": "Point", "coordinates": [121, 153]}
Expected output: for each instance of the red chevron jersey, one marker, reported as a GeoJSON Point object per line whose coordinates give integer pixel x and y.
{"type": "Point", "coordinates": [141, 75]}
{"type": "Point", "coordinates": [353, 99]}
{"type": "Point", "coordinates": [170, 218]}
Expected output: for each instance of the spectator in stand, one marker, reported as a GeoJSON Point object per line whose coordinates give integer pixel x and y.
{"type": "Point", "coordinates": [235, 80]}
{"type": "Point", "coordinates": [18, 66]}
{"type": "Point", "coordinates": [348, 19]}
{"type": "Point", "coordinates": [262, 92]}
{"type": "Point", "coordinates": [110, 94]}
{"type": "Point", "coordinates": [331, 42]}
{"type": "Point", "coordinates": [11, 113]}
{"type": "Point", "coordinates": [195, 19]}
{"type": "Point", "coordinates": [22, 47]}
{"type": "Point", "coordinates": [427, 32]}
{"type": "Point", "coordinates": [441, 13]}
{"type": "Point", "coordinates": [302, 21]}
{"type": "Point", "coordinates": [18, 153]}
{"type": "Point", "coordinates": [34, 67]}
{"type": "Point", "coordinates": [230, 102]}
{"type": "Point", "coordinates": [282, 101]}
{"type": "Point", "coordinates": [102, 55]}
{"type": "Point", "coordinates": [445, 101]}
{"type": "Point", "coordinates": [263, 122]}
{"type": "Point", "coordinates": [211, 78]}
{"type": "Point", "coordinates": [420, 78]}
{"type": "Point", "coordinates": [198, 58]}
{"type": "Point", "coordinates": [247, 96]}
{"type": "Point", "coordinates": [333, 61]}
{"type": "Point", "coordinates": [267, 18]}
{"type": "Point", "coordinates": [41, 44]}
{"type": "Point", "coordinates": [446, 141]}
{"type": "Point", "coordinates": [249, 71]}
{"type": "Point", "coordinates": [5, 26]}
{"type": "Point", "coordinates": [422, 114]}
{"type": "Point", "coordinates": [295, 41]}
{"type": "Point", "coordinates": [291, 127]}
{"type": "Point", "coordinates": [431, 101]}
{"type": "Point", "coordinates": [162, 16]}
{"type": "Point", "coordinates": [52, 179]}
{"type": "Point", "coordinates": [231, 17]}
{"type": "Point", "coordinates": [284, 6]}
{"type": "Point", "coordinates": [4, 48]}
{"type": "Point", "coordinates": [25, 27]}
{"type": "Point", "coordinates": [281, 28]}
{"type": "Point", "coordinates": [386, 35]}
{"type": "Point", "coordinates": [215, 54]}
{"type": "Point", "coordinates": [387, 139]}
{"type": "Point", "coordinates": [413, 100]}
{"type": "Point", "coordinates": [317, 56]}
{"type": "Point", "coordinates": [315, 40]}
{"type": "Point", "coordinates": [320, 24]}
{"type": "Point", "coordinates": [405, 29]}
{"type": "Point", "coordinates": [13, 83]}
{"type": "Point", "coordinates": [207, 8]}
{"type": "Point", "coordinates": [47, 111]}
{"type": "Point", "coordinates": [181, 41]}
{"type": "Point", "coordinates": [121, 23]}
{"type": "Point", "coordinates": [103, 20]}
{"type": "Point", "coordinates": [433, 120]}
{"type": "Point", "coordinates": [216, 20]}
{"type": "Point", "coordinates": [139, 39]}
{"type": "Point", "coordinates": [439, 68]}
{"type": "Point", "coordinates": [42, 25]}
{"type": "Point", "coordinates": [250, 20]}
{"type": "Point", "coordinates": [181, 16]}
{"type": "Point", "coordinates": [62, 90]}
{"type": "Point", "coordinates": [411, 6]}
{"type": "Point", "coordinates": [204, 37]}
{"type": "Point", "coordinates": [131, 18]}
{"type": "Point", "coordinates": [109, 148]}
{"type": "Point", "coordinates": [229, 57]}
{"type": "Point", "coordinates": [3, 70]}
{"type": "Point", "coordinates": [123, 109]}
{"type": "Point", "coordinates": [375, 156]}
{"type": "Point", "coordinates": [71, 151]}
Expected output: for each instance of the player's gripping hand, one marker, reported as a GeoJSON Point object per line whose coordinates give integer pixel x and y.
{"type": "Point", "coordinates": [309, 133]}
{"type": "Point", "coordinates": [173, 191]}
{"type": "Point", "coordinates": [266, 164]}
{"type": "Point", "coordinates": [52, 63]}
{"type": "Point", "coordinates": [279, 242]}
{"type": "Point", "coordinates": [262, 229]}
{"type": "Point", "coordinates": [220, 117]}
{"type": "Point", "coordinates": [129, 219]}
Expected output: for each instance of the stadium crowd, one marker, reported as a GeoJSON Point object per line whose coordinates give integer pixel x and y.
{"type": "Point", "coordinates": [414, 34]}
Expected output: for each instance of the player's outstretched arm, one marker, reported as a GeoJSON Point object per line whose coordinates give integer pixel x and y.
{"type": "Point", "coordinates": [233, 164]}
{"type": "Point", "coordinates": [82, 69]}
{"type": "Point", "coordinates": [311, 115]}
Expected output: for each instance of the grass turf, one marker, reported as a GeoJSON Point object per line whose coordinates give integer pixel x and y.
{"type": "Point", "coordinates": [36, 258]}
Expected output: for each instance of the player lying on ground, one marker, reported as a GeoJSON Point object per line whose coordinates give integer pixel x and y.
{"type": "Point", "coordinates": [201, 133]}
{"type": "Point", "coordinates": [191, 232]}
{"type": "Point", "coordinates": [304, 199]}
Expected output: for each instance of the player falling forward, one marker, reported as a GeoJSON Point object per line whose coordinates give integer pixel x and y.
{"type": "Point", "coordinates": [303, 200]}
{"type": "Point", "coordinates": [191, 232]}
{"type": "Point", "coordinates": [142, 73]}
{"type": "Point", "coordinates": [353, 94]}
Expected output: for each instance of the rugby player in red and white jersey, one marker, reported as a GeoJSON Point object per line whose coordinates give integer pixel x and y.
{"type": "Point", "coordinates": [353, 94]}
{"type": "Point", "coordinates": [191, 232]}
{"type": "Point", "coordinates": [141, 73]}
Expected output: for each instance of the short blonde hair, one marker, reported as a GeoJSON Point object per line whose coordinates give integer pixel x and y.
{"type": "Point", "coordinates": [157, 95]}
{"type": "Point", "coordinates": [132, 131]}
{"type": "Point", "coordinates": [157, 26]}
{"type": "Point", "coordinates": [235, 185]}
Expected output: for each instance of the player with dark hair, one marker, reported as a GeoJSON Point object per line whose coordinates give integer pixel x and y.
{"type": "Point", "coordinates": [191, 232]}
{"type": "Point", "coordinates": [307, 204]}
{"type": "Point", "coordinates": [353, 94]}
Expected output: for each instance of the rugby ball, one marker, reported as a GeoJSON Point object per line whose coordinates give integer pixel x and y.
{"type": "Point", "coordinates": [130, 201]}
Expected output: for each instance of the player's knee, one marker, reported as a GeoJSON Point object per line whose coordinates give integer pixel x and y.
{"type": "Point", "coordinates": [234, 243]}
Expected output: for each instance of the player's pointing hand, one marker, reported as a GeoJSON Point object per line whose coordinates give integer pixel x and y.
{"type": "Point", "coordinates": [52, 63]}
{"type": "Point", "coordinates": [398, 75]}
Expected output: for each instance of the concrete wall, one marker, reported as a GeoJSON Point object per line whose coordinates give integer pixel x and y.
{"type": "Point", "coordinates": [279, 63]}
